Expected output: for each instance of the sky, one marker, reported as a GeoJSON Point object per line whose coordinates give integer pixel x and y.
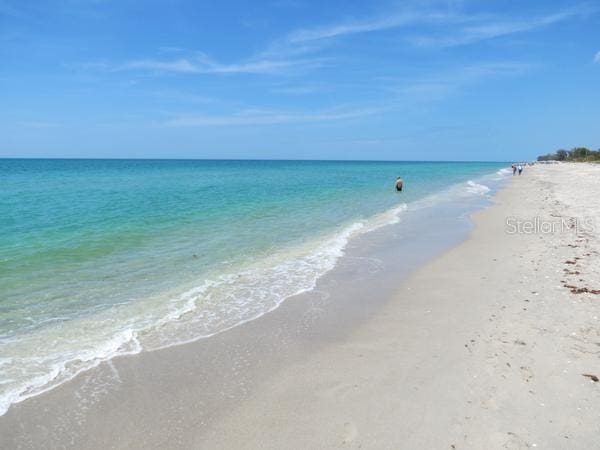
{"type": "Point", "coordinates": [298, 79]}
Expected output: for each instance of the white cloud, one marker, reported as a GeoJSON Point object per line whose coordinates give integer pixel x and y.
{"type": "Point", "coordinates": [451, 27]}
{"type": "Point", "coordinates": [439, 86]}
{"type": "Point", "coordinates": [335, 30]}
{"type": "Point", "coordinates": [389, 20]}
{"type": "Point", "coordinates": [266, 117]}
{"type": "Point", "coordinates": [199, 64]}
{"type": "Point", "coordinates": [313, 39]}
{"type": "Point", "coordinates": [597, 57]}
{"type": "Point", "coordinates": [286, 53]}
{"type": "Point", "coordinates": [404, 90]}
{"type": "Point", "coordinates": [492, 29]}
{"type": "Point", "coordinates": [179, 65]}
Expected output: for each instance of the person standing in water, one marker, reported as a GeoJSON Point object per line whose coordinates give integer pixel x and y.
{"type": "Point", "coordinates": [520, 168]}
{"type": "Point", "coordinates": [399, 184]}
{"type": "Point", "coordinates": [514, 168]}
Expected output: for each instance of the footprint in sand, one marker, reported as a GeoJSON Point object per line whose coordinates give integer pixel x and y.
{"type": "Point", "coordinates": [337, 390]}
{"type": "Point", "coordinates": [516, 442]}
{"type": "Point", "coordinates": [350, 432]}
{"type": "Point", "coordinates": [526, 373]}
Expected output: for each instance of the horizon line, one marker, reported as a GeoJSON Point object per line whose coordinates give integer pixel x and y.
{"type": "Point", "coordinates": [248, 159]}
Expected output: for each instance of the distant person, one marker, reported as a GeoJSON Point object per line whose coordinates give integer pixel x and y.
{"type": "Point", "coordinates": [520, 169]}
{"type": "Point", "coordinates": [399, 184]}
{"type": "Point", "coordinates": [514, 168]}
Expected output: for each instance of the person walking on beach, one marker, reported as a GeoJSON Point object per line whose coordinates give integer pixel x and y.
{"type": "Point", "coordinates": [520, 168]}
{"type": "Point", "coordinates": [514, 168]}
{"type": "Point", "coordinates": [399, 184]}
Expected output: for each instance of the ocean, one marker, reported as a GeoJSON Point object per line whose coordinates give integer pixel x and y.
{"type": "Point", "coordinates": [100, 258]}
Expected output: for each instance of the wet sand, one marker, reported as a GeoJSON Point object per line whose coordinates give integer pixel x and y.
{"type": "Point", "coordinates": [486, 346]}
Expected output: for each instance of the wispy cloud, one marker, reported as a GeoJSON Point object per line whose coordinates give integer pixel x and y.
{"type": "Point", "coordinates": [201, 64]}
{"type": "Point", "coordinates": [448, 26]}
{"type": "Point", "coordinates": [341, 29]}
{"type": "Point", "coordinates": [290, 52]}
{"type": "Point", "coordinates": [178, 65]}
{"type": "Point", "coordinates": [298, 51]}
{"type": "Point", "coordinates": [386, 21]}
{"type": "Point", "coordinates": [439, 86]}
{"type": "Point", "coordinates": [266, 117]}
{"type": "Point", "coordinates": [597, 57]}
{"type": "Point", "coordinates": [490, 29]}
{"type": "Point", "coordinates": [311, 39]}
{"type": "Point", "coordinates": [404, 92]}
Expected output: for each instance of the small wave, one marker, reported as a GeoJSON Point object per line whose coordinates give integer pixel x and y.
{"type": "Point", "coordinates": [389, 217]}
{"type": "Point", "coordinates": [56, 369]}
{"type": "Point", "coordinates": [232, 299]}
{"type": "Point", "coordinates": [458, 191]}
{"type": "Point", "coordinates": [477, 188]}
{"type": "Point", "coordinates": [502, 174]}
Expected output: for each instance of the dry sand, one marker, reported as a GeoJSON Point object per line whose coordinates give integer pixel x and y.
{"type": "Point", "coordinates": [485, 347]}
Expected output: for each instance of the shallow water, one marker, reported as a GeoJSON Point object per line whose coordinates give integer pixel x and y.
{"type": "Point", "coordinates": [100, 258]}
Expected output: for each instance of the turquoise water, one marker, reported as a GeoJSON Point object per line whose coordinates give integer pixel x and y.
{"type": "Point", "coordinates": [106, 257]}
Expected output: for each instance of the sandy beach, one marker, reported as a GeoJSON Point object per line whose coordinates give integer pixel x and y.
{"type": "Point", "coordinates": [492, 352]}
{"type": "Point", "coordinates": [493, 344]}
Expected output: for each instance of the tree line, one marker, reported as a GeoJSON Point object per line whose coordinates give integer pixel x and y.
{"type": "Point", "coordinates": [575, 154]}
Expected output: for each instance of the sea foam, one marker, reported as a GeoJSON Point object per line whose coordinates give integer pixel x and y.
{"type": "Point", "coordinates": [477, 188]}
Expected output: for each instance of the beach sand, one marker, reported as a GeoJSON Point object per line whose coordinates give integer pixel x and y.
{"type": "Point", "coordinates": [486, 346]}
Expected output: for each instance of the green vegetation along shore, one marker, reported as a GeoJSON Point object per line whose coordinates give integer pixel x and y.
{"type": "Point", "coordinates": [576, 154]}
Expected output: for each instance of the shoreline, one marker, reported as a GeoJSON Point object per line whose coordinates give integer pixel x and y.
{"type": "Point", "coordinates": [304, 378]}
{"type": "Point", "coordinates": [508, 363]}
{"type": "Point", "coordinates": [146, 298]}
{"type": "Point", "coordinates": [326, 251]}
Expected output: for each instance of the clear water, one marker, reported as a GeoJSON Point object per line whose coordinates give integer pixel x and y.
{"type": "Point", "coordinates": [107, 257]}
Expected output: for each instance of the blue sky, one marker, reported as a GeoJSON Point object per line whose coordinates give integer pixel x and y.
{"type": "Point", "coordinates": [298, 79]}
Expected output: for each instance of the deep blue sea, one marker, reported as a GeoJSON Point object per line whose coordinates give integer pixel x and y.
{"type": "Point", "coordinates": [107, 257]}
